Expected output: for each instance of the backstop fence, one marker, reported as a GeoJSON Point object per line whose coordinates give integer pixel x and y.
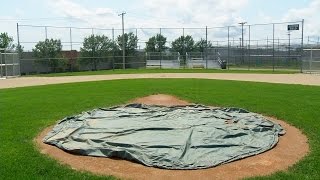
{"type": "Point", "coordinates": [245, 46]}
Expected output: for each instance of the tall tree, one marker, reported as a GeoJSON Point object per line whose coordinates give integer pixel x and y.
{"type": "Point", "coordinates": [156, 43]}
{"type": "Point", "coordinates": [97, 48]}
{"type": "Point", "coordinates": [130, 43]}
{"type": "Point", "coordinates": [49, 51]}
{"type": "Point", "coordinates": [6, 42]}
{"type": "Point", "coordinates": [183, 44]}
{"type": "Point", "coordinates": [201, 45]}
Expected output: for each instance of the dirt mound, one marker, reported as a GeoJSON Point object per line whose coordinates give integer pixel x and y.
{"type": "Point", "coordinates": [160, 99]}
{"type": "Point", "coordinates": [290, 149]}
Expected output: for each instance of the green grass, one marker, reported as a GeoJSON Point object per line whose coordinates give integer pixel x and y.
{"type": "Point", "coordinates": [26, 111]}
{"type": "Point", "coordinates": [138, 71]}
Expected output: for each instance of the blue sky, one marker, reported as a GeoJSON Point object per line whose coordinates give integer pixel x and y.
{"type": "Point", "coordinates": [158, 13]}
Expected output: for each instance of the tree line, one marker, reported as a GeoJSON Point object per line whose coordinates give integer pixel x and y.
{"type": "Point", "coordinates": [182, 44]}
{"type": "Point", "coordinates": [97, 48]}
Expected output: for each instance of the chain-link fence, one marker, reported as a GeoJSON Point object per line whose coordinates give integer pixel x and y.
{"type": "Point", "coordinates": [311, 60]}
{"type": "Point", "coordinates": [9, 64]}
{"type": "Point", "coordinates": [256, 46]}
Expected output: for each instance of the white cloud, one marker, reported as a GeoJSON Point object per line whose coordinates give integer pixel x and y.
{"type": "Point", "coordinates": [264, 18]}
{"type": "Point", "coordinates": [19, 12]}
{"type": "Point", "coordinates": [92, 17]}
{"type": "Point", "coordinates": [158, 13]}
{"type": "Point", "coordinates": [196, 13]}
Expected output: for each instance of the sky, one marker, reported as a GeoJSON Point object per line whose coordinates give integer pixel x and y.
{"type": "Point", "coordinates": [156, 14]}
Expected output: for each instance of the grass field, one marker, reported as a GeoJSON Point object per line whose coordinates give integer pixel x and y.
{"type": "Point", "coordinates": [139, 71]}
{"type": "Point", "coordinates": [26, 111]}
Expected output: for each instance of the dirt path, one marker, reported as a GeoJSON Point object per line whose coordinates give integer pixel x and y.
{"type": "Point", "coordinates": [305, 79]}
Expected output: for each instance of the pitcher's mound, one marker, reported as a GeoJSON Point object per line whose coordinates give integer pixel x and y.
{"type": "Point", "coordinates": [290, 148]}
{"type": "Point", "coordinates": [161, 99]}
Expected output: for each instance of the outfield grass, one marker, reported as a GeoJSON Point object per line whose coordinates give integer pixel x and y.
{"type": "Point", "coordinates": [138, 71]}
{"type": "Point", "coordinates": [26, 111]}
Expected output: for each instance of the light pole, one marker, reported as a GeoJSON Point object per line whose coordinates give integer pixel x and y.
{"type": "Point", "coordinates": [123, 45]}
{"type": "Point", "coordinates": [242, 44]}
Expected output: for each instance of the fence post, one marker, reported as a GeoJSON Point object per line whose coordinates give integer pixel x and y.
{"type": "Point", "coordinates": [184, 50]}
{"type": "Point", "coordinates": [228, 47]}
{"type": "Point", "coordinates": [273, 47]}
{"type": "Point", "coordinates": [160, 52]}
{"type": "Point", "coordinates": [206, 53]}
{"type": "Point", "coordinates": [136, 62]}
{"type": "Point", "coordinates": [301, 54]}
{"type": "Point", "coordinates": [70, 37]}
{"type": "Point", "coordinates": [19, 49]}
{"type": "Point", "coordinates": [12, 64]}
{"type": "Point", "coordinates": [113, 47]}
{"type": "Point", "coordinates": [1, 70]}
{"type": "Point", "coordinates": [249, 59]}
{"type": "Point", "coordinates": [137, 38]}
{"type": "Point", "coordinates": [267, 44]}
{"type": "Point", "coordinates": [311, 59]}
{"type": "Point", "coordinates": [48, 58]}
{"type": "Point", "coordinates": [146, 58]}
{"type": "Point", "coordinates": [93, 53]}
{"type": "Point", "coordinates": [5, 62]}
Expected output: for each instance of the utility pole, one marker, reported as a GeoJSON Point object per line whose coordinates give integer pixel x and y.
{"type": "Point", "coordinates": [123, 45]}
{"type": "Point", "coordinates": [242, 44]}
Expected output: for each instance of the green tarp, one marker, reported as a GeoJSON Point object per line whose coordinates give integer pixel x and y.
{"type": "Point", "coordinates": [180, 137]}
